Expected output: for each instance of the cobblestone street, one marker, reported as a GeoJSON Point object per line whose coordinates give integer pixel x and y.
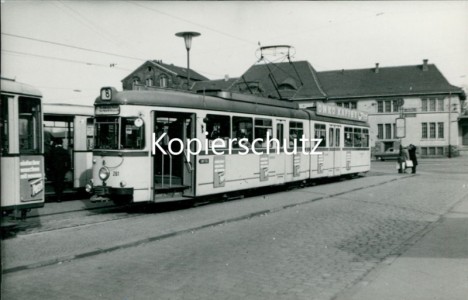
{"type": "Point", "coordinates": [314, 249]}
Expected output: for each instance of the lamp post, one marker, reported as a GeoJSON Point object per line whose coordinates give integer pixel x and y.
{"type": "Point", "coordinates": [187, 35]}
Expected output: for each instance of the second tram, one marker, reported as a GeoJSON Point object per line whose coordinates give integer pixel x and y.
{"type": "Point", "coordinates": [74, 125]}
{"type": "Point", "coordinates": [22, 156]}
{"type": "Point", "coordinates": [128, 167]}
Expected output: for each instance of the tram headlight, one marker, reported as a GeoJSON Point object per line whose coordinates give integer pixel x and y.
{"type": "Point", "coordinates": [123, 183]}
{"type": "Point", "coordinates": [104, 173]}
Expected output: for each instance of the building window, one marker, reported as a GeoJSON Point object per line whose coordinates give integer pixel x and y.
{"type": "Point", "coordinates": [388, 106]}
{"type": "Point", "coordinates": [432, 130]}
{"type": "Point", "coordinates": [380, 131]}
{"type": "Point", "coordinates": [149, 81]}
{"type": "Point", "coordinates": [380, 106]}
{"type": "Point", "coordinates": [440, 130]}
{"type": "Point", "coordinates": [388, 131]}
{"type": "Point", "coordinates": [423, 104]}
{"type": "Point", "coordinates": [423, 151]}
{"type": "Point", "coordinates": [351, 105]}
{"type": "Point", "coordinates": [163, 81]}
{"type": "Point", "coordinates": [432, 104]}
{"type": "Point", "coordinates": [424, 130]}
{"type": "Point", "coordinates": [440, 104]}
{"type": "Point", "coordinates": [440, 150]}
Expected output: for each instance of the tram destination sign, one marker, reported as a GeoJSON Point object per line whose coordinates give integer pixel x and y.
{"type": "Point", "coordinates": [107, 110]}
{"type": "Point", "coordinates": [341, 112]}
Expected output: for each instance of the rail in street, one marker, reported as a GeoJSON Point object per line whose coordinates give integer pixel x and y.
{"type": "Point", "coordinates": [289, 243]}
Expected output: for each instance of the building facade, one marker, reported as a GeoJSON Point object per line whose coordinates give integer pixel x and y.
{"type": "Point", "coordinates": [434, 111]}
{"type": "Point", "coordinates": [156, 74]}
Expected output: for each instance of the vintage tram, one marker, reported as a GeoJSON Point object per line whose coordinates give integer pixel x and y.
{"type": "Point", "coordinates": [22, 153]}
{"type": "Point", "coordinates": [134, 131]}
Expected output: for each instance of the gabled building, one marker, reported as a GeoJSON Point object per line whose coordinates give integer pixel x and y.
{"type": "Point", "coordinates": [295, 81]}
{"type": "Point", "coordinates": [156, 74]}
{"type": "Point", "coordinates": [430, 105]}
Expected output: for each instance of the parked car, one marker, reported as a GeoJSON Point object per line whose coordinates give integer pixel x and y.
{"type": "Point", "coordinates": [389, 154]}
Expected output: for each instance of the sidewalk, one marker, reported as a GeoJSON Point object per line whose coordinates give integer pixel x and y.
{"type": "Point", "coordinates": [434, 266]}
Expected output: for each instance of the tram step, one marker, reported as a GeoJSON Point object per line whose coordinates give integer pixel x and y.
{"type": "Point", "coordinates": [166, 188]}
{"type": "Point", "coordinates": [166, 180]}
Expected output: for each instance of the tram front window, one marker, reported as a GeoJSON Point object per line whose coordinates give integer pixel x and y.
{"type": "Point", "coordinates": [114, 133]}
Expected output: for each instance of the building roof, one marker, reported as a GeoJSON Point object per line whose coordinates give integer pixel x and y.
{"type": "Point", "coordinates": [213, 85]}
{"type": "Point", "coordinates": [295, 80]}
{"type": "Point", "coordinates": [298, 81]}
{"type": "Point", "coordinates": [176, 70]}
{"type": "Point", "coordinates": [423, 79]}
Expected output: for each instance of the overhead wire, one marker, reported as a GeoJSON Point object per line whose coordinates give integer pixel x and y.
{"type": "Point", "coordinates": [64, 59]}
{"type": "Point", "coordinates": [191, 22]}
{"type": "Point", "coordinates": [72, 46]}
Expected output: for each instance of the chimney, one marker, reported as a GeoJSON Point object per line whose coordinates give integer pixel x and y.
{"type": "Point", "coordinates": [425, 67]}
{"type": "Point", "coordinates": [376, 68]}
{"type": "Point", "coordinates": [226, 77]}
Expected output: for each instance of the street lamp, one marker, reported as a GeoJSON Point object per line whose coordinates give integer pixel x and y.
{"type": "Point", "coordinates": [187, 35]}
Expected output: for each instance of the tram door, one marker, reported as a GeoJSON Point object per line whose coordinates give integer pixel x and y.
{"type": "Point", "coordinates": [281, 169]}
{"type": "Point", "coordinates": [335, 148]}
{"type": "Point", "coordinates": [173, 170]}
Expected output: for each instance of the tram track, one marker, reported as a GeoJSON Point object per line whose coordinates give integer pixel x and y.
{"type": "Point", "coordinates": [76, 218]}
{"type": "Point", "coordinates": [190, 229]}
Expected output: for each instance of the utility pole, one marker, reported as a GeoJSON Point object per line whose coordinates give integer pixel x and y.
{"type": "Point", "coordinates": [450, 125]}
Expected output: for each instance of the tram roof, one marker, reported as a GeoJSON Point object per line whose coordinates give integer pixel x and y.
{"type": "Point", "coordinates": [222, 101]}
{"type": "Point", "coordinates": [12, 86]}
{"type": "Point", "coordinates": [68, 109]}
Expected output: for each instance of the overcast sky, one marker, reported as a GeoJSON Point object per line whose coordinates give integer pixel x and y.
{"type": "Point", "coordinates": [66, 48]}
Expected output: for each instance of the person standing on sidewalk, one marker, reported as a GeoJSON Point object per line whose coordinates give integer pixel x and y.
{"type": "Point", "coordinates": [412, 156]}
{"type": "Point", "coordinates": [402, 158]}
{"type": "Point", "coordinates": [59, 164]}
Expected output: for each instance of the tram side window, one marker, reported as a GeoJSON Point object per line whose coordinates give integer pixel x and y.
{"type": "Point", "coordinates": [365, 138]}
{"type": "Point", "coordinates": [321, 133]}
{"type": "Point", "coordinates": [262, 127]}
{"type": "Point", "coordinates": [218, 127]}
{"type": "Point", "coordinates": [348, 138]}
{"type": "Point", "coordinates": [242, 128]}
{"type": "Point", "coordinates": [4, 124]}
{"type": "Point", "coordinates": [107, 133]}
{"type": "Point", "coordinates": [30, 128]}
{"type": "Point", "coordinates": [131, 136]}
{"type": "Point", "coordinates": [357, 137]}
{"type": "Point", "coordinates": [296, 131]}
{"type": "Point", "coordinates": [337, 137]}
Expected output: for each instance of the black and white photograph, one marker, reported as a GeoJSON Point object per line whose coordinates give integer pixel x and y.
{"type": "Point", "coordinates": [221, 150]}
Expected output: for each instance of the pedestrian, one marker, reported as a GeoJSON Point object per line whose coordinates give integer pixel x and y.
{"type": "Point", "coordinates": [59, 164]}
{"type": "Point", "coordinates": [402, 158]}
{"type": "Point", "coordinates": [412, 157]}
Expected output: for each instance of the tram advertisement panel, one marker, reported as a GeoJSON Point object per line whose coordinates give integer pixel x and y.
{"type": "Point", "coordinates": [31, 178]}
